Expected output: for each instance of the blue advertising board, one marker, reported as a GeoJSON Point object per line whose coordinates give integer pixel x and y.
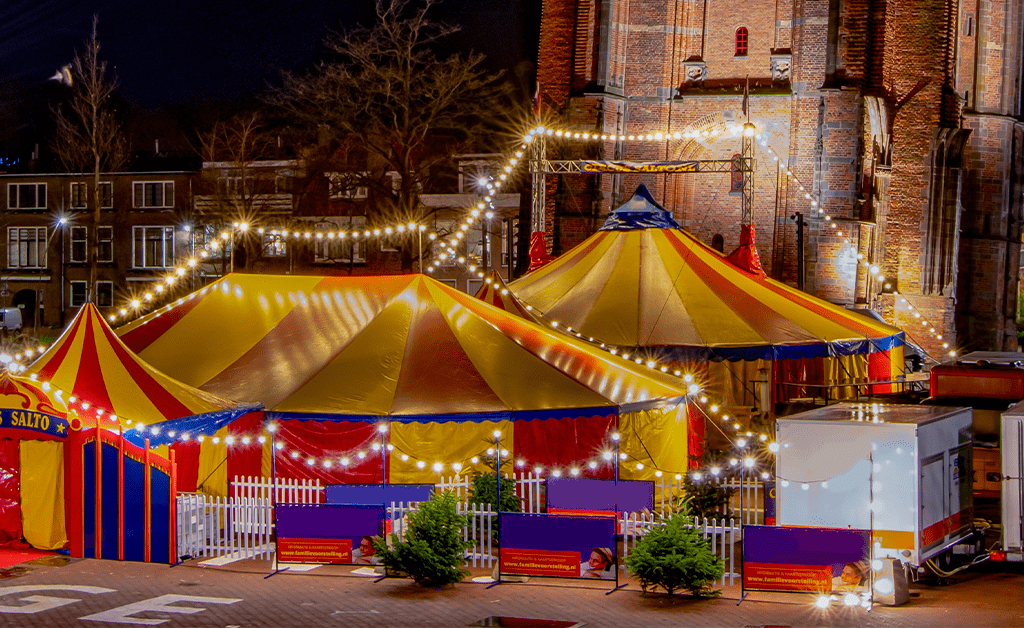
{"type": "Point", "coordinates": [582, 495]}
{"type": "Point", "coordinates": [328, 533]}
{"type": "Point", "coordinates": [790, 558]}
{"type": "Point", "coordinates": [563, 546]}
{"type": "Point", "coordinates": [378, 493]}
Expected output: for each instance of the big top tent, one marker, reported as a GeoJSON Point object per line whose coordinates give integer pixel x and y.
{"type": "Point", "coordinates": [641, 283]}
{"type": "Point", "coordinates": [332, 357]}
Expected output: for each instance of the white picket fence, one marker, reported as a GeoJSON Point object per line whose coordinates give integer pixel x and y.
{"type": "Point", "coordinates": [242, 526]}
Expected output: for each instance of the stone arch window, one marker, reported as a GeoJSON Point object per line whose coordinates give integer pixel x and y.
{"type": "Point", "coordinates": [741, 41]}
{"type": "Point", "coordinates": [718, 243]}
{"type": "Point", "coordinates": [942, 217]}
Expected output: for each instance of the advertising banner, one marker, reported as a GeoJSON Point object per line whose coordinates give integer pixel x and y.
{"type": "Point", "coordinates": [377, 493]}
{"type": "Point", "coordinates": [29, 425]}
{"type": "Point", "coordinates": [598, 497]}
{"type": "Point", "coordinates": [632, 166]}
{"type": "Point", "coordinates": [328, 533]}
{"type": "Point", "coordinates": [817, 560]}
{"type": "Point", "coordinates": [562, 546]}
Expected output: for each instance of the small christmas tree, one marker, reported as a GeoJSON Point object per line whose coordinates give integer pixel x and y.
{"type": "Point", "coordinates": [676, 556]}
{"type": "Point", "coordinates": [485, 491]}
{"type": "Point", "coordinates": [433, 552]}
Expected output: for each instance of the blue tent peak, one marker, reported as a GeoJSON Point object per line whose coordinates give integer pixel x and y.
{"type": "Point", "coordinates": [640, 212]}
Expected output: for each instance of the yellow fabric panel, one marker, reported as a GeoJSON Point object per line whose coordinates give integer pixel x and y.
{"type": "Point", "coordinates": [361, 378]}
{"type": "Point", "coordinates": [713, 321]}
{"type": "Point", "coordinates": [237, 311]}
{"type": "Point", "coordinates": [42, 493]}
{"type": "Point", "coordinates": [446, 443]}
{"type": "Point", "coordinates": [549, 296]}
{"type": "Point", "coordinates": [897, 367]}
{"type": "Point", "coordinates": [505, 365]}
{"type": "Point", "coordinates": [655, 438]}
{"type": "Point", "coordinates": [266, 461]}
{"type": "Point", "coordinates": [213, 467]}
{"type": "Point", "coordinates": [846, 369]}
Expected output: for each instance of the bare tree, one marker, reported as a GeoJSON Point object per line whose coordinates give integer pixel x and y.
{"type": "Point", "coordinates": [396, 105]}
{"type": "Point", "coordinates": [89, 137]}
{"type": "Point", "coordinates": [241, 180]}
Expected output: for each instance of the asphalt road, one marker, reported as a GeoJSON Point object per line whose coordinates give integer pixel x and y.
{"type": "Point", "coordinates": [97, 593]}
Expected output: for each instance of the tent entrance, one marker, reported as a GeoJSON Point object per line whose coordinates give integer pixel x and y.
{"type": "Point", "coordinates": [10, 492]}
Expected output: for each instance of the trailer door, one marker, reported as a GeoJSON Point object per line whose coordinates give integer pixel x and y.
{"type": "Point", "coordinates": [934, 503]}
{"type": "Point", "coordinates": [1013, 469]}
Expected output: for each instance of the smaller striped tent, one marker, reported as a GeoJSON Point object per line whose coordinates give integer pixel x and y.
{"type": "Point", "coordinates": [90, 363]}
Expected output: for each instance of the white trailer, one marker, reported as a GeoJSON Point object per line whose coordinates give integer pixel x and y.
{"type": "Point", "coordinates": [901, 471]}
{"type": "Point", "coordinates": [1012, 490]}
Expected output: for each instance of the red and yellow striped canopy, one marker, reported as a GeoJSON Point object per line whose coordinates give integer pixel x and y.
{"type": "Point", "coordinates": [664, 288]}
{"type": "Point", "coordinates": [495, 292]}
{"type": "Point", "coordinates": [405, 346]}
{"type": "Point", "coordinates": [90, 362]}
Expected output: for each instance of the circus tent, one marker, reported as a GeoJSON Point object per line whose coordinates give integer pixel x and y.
{"type": "Point", "coordinates": [108, 384]}
{"type": "Point", "coordinates": [332, 357]}
{"type": "Point", "coordinates": [642, 283]}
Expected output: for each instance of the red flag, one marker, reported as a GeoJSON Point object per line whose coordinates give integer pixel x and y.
{"type": "Point", "coordinates": [536, 100]}
{"type": "Point", "coordinates": [746, 98]}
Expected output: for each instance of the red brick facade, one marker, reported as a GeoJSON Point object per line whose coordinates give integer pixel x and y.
{"type": "Point", "coordinates": [901, 117]}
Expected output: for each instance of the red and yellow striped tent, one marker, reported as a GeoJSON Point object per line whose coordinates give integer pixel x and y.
{"type": "Point", "coordinates": [642, 283]}
{"type": "Point", "coordinates": [329, 357]}
{"type": "Point", "coordinates": [91, 363]}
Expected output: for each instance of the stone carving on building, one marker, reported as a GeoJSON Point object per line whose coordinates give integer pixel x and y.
{"type": "Point", "coordinates": [780, 67]}
{"type": "Point", "coordinates": [695, 72]}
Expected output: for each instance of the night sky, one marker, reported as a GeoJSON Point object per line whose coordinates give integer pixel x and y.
{"type": "Point", "coordinates": [182, 52]}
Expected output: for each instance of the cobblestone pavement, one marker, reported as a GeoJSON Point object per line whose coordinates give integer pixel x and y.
{"type": "Point", "coordinates": [97, 593]}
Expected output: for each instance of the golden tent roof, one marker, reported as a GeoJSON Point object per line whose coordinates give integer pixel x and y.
{"type": "Point", "coordinates": [630, 285]}
{"type": "Point", "coordinates": [404, 346]}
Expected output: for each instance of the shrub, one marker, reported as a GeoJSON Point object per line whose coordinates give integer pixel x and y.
{"type": "Point", "coordinates": [485, 491]}
{"type": "Point", "coordinates": [675, 556]}
{"type": "Point", "coordinates": [433, 552]}
{"type": "Point", "coordinates": [706, 498]}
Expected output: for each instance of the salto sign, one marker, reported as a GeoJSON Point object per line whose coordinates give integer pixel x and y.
{"type": "Point", "coordinates": [120, 615]}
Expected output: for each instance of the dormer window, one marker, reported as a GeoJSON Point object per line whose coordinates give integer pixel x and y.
{"type": "Point", "coordinates": [741, 41]}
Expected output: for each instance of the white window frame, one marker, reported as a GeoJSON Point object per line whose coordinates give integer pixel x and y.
{"type": "Point", "coordinates": [14, 195]}
{"type": "Point", "coordinates": [139, 194]}
{"type": "Point", "coordinates": [167, 242]}
{"type": "Point", "coordinates": [83, 233]}
{"type": "Point", "coordinates": [79, 193]}
{"type": "Point", "coordinates": [338, 192]}
{"type": "Point", "coordinates": [20, 257]}
{"type": "Point", "coordinates": [274, 245]}
{"type": "Point", "coordinates": [100, 301]}
{"type": "Point", "coordinates": [105, 233]}
{"type": "Point", "coordinates": [84, 287]}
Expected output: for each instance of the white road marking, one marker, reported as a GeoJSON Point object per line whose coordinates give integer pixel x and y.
{"type": "Point", "coordinates": [45, 602]}
{"type": "Point", "coordinates": [162, 604]}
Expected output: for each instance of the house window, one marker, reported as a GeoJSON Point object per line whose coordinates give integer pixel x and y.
{"type": "Point", "coordinates": [26, 247]}
{"type": "Point", "coordinates": [153, 247]}
{"type": "Point", "coordinates": [79, 293]}
{"type": "Point", "coordinates": [106, 243]}
{"type": "Point", "coordinates": [345, 186]}
{"type": "Point", "coordinates": [26, 196]}
{"type": "Point", "coordinates": [274, 245]}
{"type": "Point", "coordinates": [79, 244]}
{"type": "Point", "coordinates": [153, 194]}
{"type": "Point", "coordinates": [105, 294]}
{"type": "Point", "coordinates": [80, 195]}
{"type": "Point", "coordinates": [340, 249]}
{"type": "Point", "coordinates": [741, 41]}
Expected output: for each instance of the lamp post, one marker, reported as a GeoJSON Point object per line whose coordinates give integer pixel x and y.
{"type": "Point", "coordinates": [61, 224]}
{"type": "Point", "coordinates": [382, 429]}
{"type": "Point", "coordinates": [616, 437]}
